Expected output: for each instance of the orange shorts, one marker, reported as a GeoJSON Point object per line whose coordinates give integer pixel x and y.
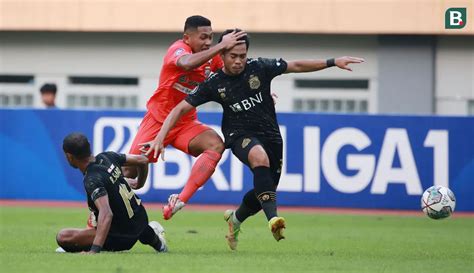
{"type": "Point", "coordinates": [179, 137]}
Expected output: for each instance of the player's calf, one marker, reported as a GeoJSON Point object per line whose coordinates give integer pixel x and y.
{"type": "Point", "coordinates": [201, 171]}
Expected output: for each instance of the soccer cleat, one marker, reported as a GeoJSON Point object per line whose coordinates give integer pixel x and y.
{"type": "Point", "coordinates": [234, 229]}
{"type": "Point", "coordinates": [174, 205]}
{"type": "Point", "coordinates": [91, 221]}
{"type": "Point", "coordinates": [160, 232]}
{"type": "Point", "coordinates": [60, 250]}
{"type": "Point", "coordinates": [277, 226]}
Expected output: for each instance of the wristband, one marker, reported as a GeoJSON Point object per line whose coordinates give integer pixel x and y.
{"type": "Point", "coordinates": [96, 248]}
{"type": "Point", "coordinates": [330, 62]}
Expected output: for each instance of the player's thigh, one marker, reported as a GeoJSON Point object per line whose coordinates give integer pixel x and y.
{"type": "Point", "coordinates": [147, 131]}
{"type": "Point", "coordinates": [275, 155]}
{"type": "Point", "coordinates": [194, 138]}
{"type": "Point", "coordinates": [251, 152]}
{"type": "Point", "coordinates": [75, 236]}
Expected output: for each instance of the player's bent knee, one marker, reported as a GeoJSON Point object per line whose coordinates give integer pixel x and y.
{"type": "Point", "coordinates": [259, 162]}
{"type": "Point", "coordinates": [64, 237]}
{"type": "Point", "coordinates": [215, 144]}
{"type": "Point", "coordinates": [218, 147]}
{"type": "Point", "coordinates": [215, 153]}
{"type": "Point", "coordinates": [59, 239]}
{"type": "Point", "coordinates": [258, 157]}
{"type": "Point", "coordinates": [214, 141]}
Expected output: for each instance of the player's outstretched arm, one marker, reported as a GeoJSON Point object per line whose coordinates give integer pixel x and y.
{"type": "Point", "coordinates": [156, 146]}
{"type": "Point", "coordinates": [192, 61]}
{"type": "Point", "coordinates": [301, 66]}
{"type": "Point", "coordinates": [104, 220]}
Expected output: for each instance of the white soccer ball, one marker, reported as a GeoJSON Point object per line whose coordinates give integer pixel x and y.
{"type": "Point", "coordinates": [438, 202]}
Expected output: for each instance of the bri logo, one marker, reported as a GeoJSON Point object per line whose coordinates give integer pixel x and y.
{"type": "Point", "coordinates": [346, 159]}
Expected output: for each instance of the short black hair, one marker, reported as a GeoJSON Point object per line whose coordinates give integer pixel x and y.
{"type": "Point", "coordinates": [48, 88]}
{"type": "Point", "coordinates": [77, 145]}
{"type": "Point", "coordinates": [244, 38]}
{"type": "Point", "coordinates": [195, 21]}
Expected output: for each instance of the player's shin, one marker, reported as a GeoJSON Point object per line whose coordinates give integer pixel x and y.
{"type": "Point", "coordinates": [202, 170]}
{"type": "Point", "coordinates": [250, 206]}
{"type": "Point", "coordinates": [265, 190]}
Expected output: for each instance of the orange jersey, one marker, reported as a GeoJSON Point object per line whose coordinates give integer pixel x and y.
{"type": "Point", "coordinates": [175, 83]}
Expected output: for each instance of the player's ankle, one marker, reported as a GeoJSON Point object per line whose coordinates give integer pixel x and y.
{"type": "Point", "coordinates": [156, 243]}
{"type": "Point", "coordinates": [235, 221]}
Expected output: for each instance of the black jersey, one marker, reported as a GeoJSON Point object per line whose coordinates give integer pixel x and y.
{"type": "Point", "coordinates": [104, 177]}
{"type": "Point", "coordinates": [246, 100]}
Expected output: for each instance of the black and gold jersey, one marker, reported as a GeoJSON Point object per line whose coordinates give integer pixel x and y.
{"type": "Point", "coordinates": [245, 98]}
{"type": "Point", "coordinates": [104, 178]}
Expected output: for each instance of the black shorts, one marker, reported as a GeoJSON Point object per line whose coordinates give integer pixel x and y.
{"type": "Point", "coordinates": [241, 148]}
{"type": "Point", "coordinates": [117, 240]}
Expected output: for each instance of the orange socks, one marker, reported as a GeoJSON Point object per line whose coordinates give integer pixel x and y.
{"type": "Point", "coordinates": [202, 170]}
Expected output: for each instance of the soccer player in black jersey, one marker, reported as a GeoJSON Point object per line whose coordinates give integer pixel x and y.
{"type": "Point", "coordinates": [249, 125]}
{"type": "Point", "coordinates": [121, 218]}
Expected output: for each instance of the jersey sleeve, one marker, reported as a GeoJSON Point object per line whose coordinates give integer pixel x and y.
{"type": "Point", "coordinates": [273, 67]}
{"type": "Point", "coordinates": [217, 63]}
{"type": "Point", "coordinates": [175, 53]}
{"type": "Point", "coordinates": [117, 158]}
{"type": "Point", "coordinates": [200, 95]}
{"type": "Point", "coordinates": [95, 187]}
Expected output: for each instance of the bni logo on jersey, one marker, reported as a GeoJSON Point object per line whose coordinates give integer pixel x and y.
{"type": "Point", "coordinates": [455, 18]}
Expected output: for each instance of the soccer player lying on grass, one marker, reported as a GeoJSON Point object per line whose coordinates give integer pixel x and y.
{"type": "Point", "coordinates": [249, 125]}
{"type": "Point", "coordinates": [121, 217]}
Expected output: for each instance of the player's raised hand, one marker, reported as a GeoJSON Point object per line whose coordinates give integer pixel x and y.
{"type": "Point", "coordinates": [232, 39]}
{"type": "Point", "coordinates": [156, 146]}
{"type": "Point", "coordinates": [343, 62]}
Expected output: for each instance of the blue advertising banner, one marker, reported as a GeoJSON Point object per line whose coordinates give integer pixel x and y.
{"type": "Point", "coordinates": [350, 161]}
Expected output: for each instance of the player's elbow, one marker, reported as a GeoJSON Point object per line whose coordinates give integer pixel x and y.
{"type": "Point", "coordinates": [187, 67]}
{"type": "Point", "coordinates": [109, 215]}
{"type": "Point", "coordinates": [106, 216]}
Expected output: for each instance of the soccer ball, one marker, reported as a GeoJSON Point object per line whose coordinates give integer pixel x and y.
{"type": "Point", "coordinates": [438, 202]}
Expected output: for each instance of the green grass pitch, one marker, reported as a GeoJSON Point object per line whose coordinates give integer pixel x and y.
{"type": "Point", "coordinates": [314, 243]}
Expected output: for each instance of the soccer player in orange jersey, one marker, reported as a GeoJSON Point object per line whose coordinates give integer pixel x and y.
{"type": "Point", "coordinates": [187, 63]}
